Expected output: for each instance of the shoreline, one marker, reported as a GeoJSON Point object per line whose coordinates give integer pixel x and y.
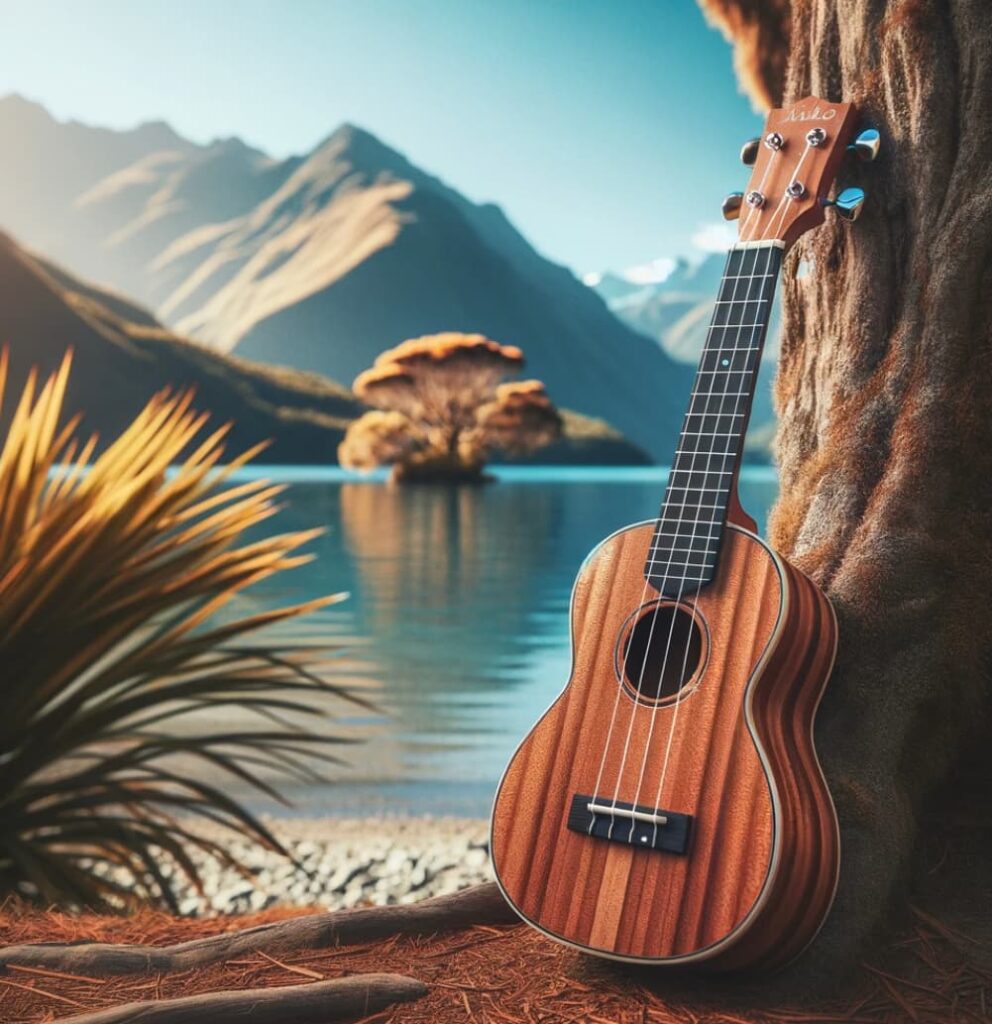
{"type": "Point", "coordinates": [343, 862]}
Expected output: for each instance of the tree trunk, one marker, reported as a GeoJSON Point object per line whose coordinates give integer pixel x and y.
{"type": "Point", "coordinates": [885, 405]}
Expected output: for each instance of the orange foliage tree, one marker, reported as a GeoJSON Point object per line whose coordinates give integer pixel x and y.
{"type": "Point", "coordinates": [442, 405]}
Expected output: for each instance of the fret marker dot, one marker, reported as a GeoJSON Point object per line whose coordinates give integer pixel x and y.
{"type": "Point", "coordinates": [725, 362]}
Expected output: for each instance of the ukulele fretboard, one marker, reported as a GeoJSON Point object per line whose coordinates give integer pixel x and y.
{"type": "Point", "coordinates": [686, 544]}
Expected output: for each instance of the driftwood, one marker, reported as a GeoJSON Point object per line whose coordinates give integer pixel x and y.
{"type": "Point", "coordinates": [319, 1003]}
{"type": "Point", "coordinates": [481, 904]}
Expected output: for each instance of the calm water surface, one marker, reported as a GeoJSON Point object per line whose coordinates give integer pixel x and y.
{"type": "Point", "coordinates": [456, 623]}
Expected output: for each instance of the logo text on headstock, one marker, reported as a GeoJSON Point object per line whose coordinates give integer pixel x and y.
{"type": "Point", "coordinates": [816, 114]}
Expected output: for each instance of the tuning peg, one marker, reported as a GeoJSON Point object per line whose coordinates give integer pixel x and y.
{"type": "Point", "coordinates": [848, 203]}
{"type": "Point", "coordinates": [749, 151]}
{"type": "Point", "coordinates": [866, 144]}
{"type": "Point", "coordinates": [731, 207]}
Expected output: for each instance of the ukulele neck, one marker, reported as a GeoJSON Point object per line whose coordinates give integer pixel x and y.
{"type": "Point", "coordinates": [685, 549]}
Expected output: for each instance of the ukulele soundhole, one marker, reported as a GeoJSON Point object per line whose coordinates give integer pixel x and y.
{"type": "Point", "coordinates": [661, 652]}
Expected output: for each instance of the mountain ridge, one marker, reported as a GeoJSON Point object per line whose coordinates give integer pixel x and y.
{"type": "Point", "coordinates": [122, 356]}
{"type": "Point", "coordinates": [323, 260]}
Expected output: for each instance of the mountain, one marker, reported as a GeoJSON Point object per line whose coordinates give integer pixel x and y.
{"type": "Point", "coordinates": [676, 312]}
{"type": "Point", "coordinates": [122, 356]}
{"type": "Point", "coordinates": [321, 261]}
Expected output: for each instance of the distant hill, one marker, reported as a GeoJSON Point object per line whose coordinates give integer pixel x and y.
{"type": "Point", "coordinates": [119, 363]}
{"type": "Point", "coordinates": [676, 312]}
{"type": "Point", "coordinates": [122, 356]}
{"type": "Point", "coordinates": [320, 262]}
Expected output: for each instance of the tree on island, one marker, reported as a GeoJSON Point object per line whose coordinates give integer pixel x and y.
{"type": "Point", "coordinates": [442, 406]}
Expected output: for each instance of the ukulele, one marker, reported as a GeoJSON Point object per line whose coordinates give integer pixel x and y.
{"type": "Point", "coordinates": [669, 807]}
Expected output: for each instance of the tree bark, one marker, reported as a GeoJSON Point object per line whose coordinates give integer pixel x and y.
{"type": "Point", "coordinates": [322, 1002]}
{"type": "Point", "coordinates": [481, 904]}
{"type": "Point", "coordinates": [884, 394]}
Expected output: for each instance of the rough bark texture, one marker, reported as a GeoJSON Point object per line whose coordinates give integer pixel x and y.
{"type": "Point", "coordinates": [481, 904]}
{"type": "Point", "coordinates": [885, 398]}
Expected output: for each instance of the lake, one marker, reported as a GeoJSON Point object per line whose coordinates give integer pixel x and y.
{"type": "Point", "coordinates": [456, 623]}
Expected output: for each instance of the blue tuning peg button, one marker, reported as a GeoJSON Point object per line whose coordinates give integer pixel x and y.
{"type": "Point", "coordinates": [866, 144]}
{"type": "Point", "coordinates": [847, 203]}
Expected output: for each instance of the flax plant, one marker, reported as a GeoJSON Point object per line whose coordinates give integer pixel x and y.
{"type": "Point", "coordinates": [116, 675]}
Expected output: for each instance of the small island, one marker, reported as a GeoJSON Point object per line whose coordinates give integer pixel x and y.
{"type": "Point", "coordinates": [442, 406]}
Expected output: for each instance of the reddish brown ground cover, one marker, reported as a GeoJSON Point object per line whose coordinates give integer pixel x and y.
{"type": "Point", "coordinates": [507, 975]}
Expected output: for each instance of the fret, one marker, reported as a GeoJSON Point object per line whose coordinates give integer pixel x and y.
{"type": "Point", "coordinates": [747, 308]}
{"type": "Point", "coordinates": [687, 564]}
{"type": "Point", "coordinates": [714, 415]}
{"type": "Point", "coordinates": [693, 503]}
{"type": "Point", "coordinates": [724, 380]}
{"type": "Point", "coordinates": [711, 492]}
{"type": "Point", "coordinates": [703, 472]}
{"type": "Point", "coordinates": [661, 552]}
{"type": "Point", "coordinates": [681, 537]}
{"type": "Point", "coordinates": [702, 452]}
{"type": "Point", "coordinates": [708, 422]}
{"type": "Point", "coordinates": [688, 579]}
{"type": "Point", "coordinates": [749, 277]}
{"type": "Point", "coordinates": [707, 433]}
{"type": "Point", "coordinates": [690, 517]}
{"type": "Point", "coordinates": [733, 358]}
{"type": "Point", "coordinates": [696, 542]}
{"type": "Point", "coordinates": [656, 546]}
{"type": "Point", "coordinates": [686, 542]}
{"type": "Point", "coordinates": [691, 525]}
{"type": "Point", "coordinates": [707, 486]}
{"type": "Point", "coordinates": [704, 551]}
{"type": "Point", "coordinates": [697, 504]}
{"type": "Point", "coordinates": [695, 445]}
{"type": "Point", "coordinates": [733, 349]}
{"type": "Point", "coordinates": [721, 394]}
{"type": "Point", "coordinates": [754, 289]}
{"type": "Point", "coordinates": [673, 572]}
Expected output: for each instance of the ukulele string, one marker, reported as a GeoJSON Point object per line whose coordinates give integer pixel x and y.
{"type": "Point", "coordinates": [773, 226]}
{"type": "Point", "coordinates": [752, 212]}
{"type": "Point", "coordinates": [668, 566]}
{"type": "Point", "coordinates": [623, 675]}
{"type": "Point", "coordinates": [665, 512]}
{"type": "Point", "coordinates": [746, 374]}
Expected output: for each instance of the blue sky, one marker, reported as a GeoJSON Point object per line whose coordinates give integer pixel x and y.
{"type": "Point", "coordinates": [607, 129]}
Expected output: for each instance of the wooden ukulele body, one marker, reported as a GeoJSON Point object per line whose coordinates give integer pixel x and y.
{"type": "Point", "coordinates": [759, 870]}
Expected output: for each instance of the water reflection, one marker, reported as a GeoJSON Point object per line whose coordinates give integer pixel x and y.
{"type": "Point", "coordinates": [457, 621]}
{"type": "Point", "coordinates": [448, 582]}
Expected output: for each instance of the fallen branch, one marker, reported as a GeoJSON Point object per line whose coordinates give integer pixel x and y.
{"type": "Point", "coordinates": [481, 904]}
{"type": "Point", "coordinates": [322, 1002]}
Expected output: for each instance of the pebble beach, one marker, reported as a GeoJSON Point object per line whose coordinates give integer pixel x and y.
{"type": "Point", "coordinates": [342, 862]}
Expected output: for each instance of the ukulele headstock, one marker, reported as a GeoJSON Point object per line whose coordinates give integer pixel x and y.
{"type": "Point", "coordinates": [795, 164]}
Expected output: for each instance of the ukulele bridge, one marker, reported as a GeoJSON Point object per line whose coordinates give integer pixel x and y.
{"type": "Point", "coordinates": [636, 825]}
